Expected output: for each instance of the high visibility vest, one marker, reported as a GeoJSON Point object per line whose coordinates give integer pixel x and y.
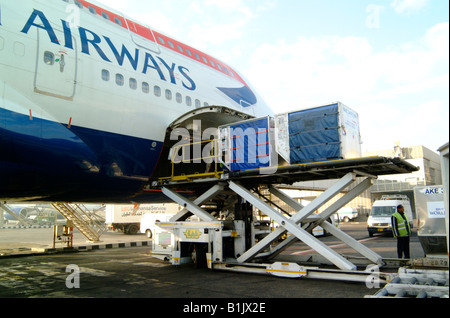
{"type": "Point", "coordinates": [403, 228]}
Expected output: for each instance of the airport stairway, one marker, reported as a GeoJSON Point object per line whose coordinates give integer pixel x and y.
{"type": "Point", "coordinates": [90, 225]}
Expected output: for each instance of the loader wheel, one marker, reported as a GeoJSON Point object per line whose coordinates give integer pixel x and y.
{"type": "Point", "coordinates": [199, 255]}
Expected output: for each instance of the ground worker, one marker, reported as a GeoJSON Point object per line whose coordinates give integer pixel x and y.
{"type": "Point", "coordinates": [401, 230]}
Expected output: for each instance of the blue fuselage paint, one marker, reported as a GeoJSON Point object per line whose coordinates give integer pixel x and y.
{"type": "Point", "coordinates": [42, 154]}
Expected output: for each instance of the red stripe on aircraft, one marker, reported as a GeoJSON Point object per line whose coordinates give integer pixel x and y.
{"type": "Point", "coordinates": [146, 33]}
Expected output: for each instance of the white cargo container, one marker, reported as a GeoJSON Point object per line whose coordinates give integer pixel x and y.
{"type": "Point", "coordinates": [430, 209]}
{"type": "Point", "coordinates": [329, 132]}
{"type": "Point", "coordinates": [324, 133]}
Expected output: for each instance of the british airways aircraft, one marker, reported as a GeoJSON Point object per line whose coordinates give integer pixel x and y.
{"type": "Point", "coordinates": [88, 96]}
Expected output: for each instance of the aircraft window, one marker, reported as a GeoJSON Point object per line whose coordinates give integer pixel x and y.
{"type": "Point", "coordinates": [188, 101]}
{"type": "Point", "coordinates": [212, 63]}
{"type": "Point", "coordinates": [205, 104]}
{"type": "Point", "coordinates": [218, 65]}
{"type": "Point", "coordinates": [161, 40]}
{"type": "Point", "coordinates": [205, 60]}
{"type": "Point", "coordinates": [92, 10]}
{"type": "Point", "coordinates": [171, 44]}
{"type": "Point", "coordinates": [157, 91]}
{"type": "Point", "coordinates": [196, 55]}
{"type": "Point", "coordinates": [120, 80]}
{"type": "Point", "coordinates": [197, 104]}
{"type": "Point", "coordinates": [79, 4]}
{"type": "Point", "coordinates": [117, 20]}
{"type": "Point", "coordinates": [105, 15]}
{"type": "Point", "coordinates": [180, 49]}
{"type": "Point", "coordinates": [188, 52]}
{"type": "Point", "coordinates": [168, 94]}
{"type": "Point", "coordinates": [49, 58]}
{"type": "Point", "coordinates": [105, 75]}
{"type": "Point", "coordinates": [133, 83]}
{"type": "Point", "coordinates": [232, 74]}
{"type": "Point", "coordinates": [225, 69]}
{"type": "Point", "coordinates": [179, 98]}
{"type": "Point", "coordinates": [145, 88]}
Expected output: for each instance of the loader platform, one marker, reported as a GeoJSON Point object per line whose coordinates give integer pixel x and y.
{"type": "Point", "coordinates": [228, 238]}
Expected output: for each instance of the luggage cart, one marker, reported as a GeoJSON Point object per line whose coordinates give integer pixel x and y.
{"type": "Point", "coordinates": [414, 283]}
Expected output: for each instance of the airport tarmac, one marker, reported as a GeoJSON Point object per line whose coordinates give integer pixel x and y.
{"type": "Point", "coordinates": [14, 241]}
{"type": "Point", "coordinates": [133, 273]}
{"type": "Point", "coordinates": [17, 241]}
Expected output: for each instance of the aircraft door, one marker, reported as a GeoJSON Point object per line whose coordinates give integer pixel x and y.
{"type": "Point", "coordinates": [143, 36]}
{"type": "Point", "coordinates": [56, 69]}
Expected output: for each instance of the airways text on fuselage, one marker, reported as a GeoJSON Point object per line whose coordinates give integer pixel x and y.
{"type": "Point", "coordinates": [90, 40]}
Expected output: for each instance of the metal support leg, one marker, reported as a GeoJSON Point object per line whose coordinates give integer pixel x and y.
{"type": "Point", "coordinates": [349, 196]}
{"type": "Point", "coordinates": [211, 193]}
{"type": "Point", "coordinates": [290, 226]}
{"type": "Point", "coordinates": [324, 197]}
{"type": "Point", "coordinates": [188, 204]}
{"type": "Point", "coordinates": [350, 241]}
{"type": "Point", "coordinates": [286, 199]}
{"type": "Point", "coordinates": [360, 248]}
{"type": "Point", "coordinates": [302, 213]}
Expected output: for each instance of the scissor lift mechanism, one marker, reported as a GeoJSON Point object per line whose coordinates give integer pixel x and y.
{"type": "Point", "coordinates": [264, 256]}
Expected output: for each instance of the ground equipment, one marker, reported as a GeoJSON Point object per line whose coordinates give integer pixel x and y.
{"type": "Point", "coordinates": [224, 199]}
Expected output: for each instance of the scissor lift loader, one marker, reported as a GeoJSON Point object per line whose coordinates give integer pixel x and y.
{"type": "Point", "coordinates": [222, 197]}
{"type": "Point", "coordinates": [233, 243]}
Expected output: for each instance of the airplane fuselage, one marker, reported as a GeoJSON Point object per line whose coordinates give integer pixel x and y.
{"type": "Point", "coordinates": [86, 97]}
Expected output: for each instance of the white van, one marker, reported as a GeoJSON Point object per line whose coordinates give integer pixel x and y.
{"type": "Point", "coordinates": [158, 213]}
{"type": "Point", "coordinates": [148, 222]}
{"type": "Point", "coordinates": [345, 214]}
{"type": "Point", "coordinates": [379, 221]}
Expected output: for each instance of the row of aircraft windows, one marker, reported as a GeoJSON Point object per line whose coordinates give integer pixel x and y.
{"type": "Point", "coordinates": [198, 57]}
{"type": "Point", "coordinates": [94, 11]}
{"type": "Point", "coordinates": [145, 87]}
{"type": "Point", "coordinates": [160, 39]}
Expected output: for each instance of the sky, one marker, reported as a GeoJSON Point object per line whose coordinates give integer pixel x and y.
{"type": "Point", "coordinates": [386, 59]}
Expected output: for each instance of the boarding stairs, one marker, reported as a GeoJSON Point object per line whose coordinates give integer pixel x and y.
{"type": "Point", "coordinates": [88, 223]}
